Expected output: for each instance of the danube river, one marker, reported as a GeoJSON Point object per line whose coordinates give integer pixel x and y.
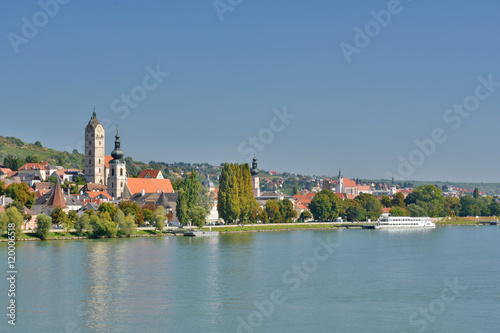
{"type": "Point", "coordinates": [442, 280]}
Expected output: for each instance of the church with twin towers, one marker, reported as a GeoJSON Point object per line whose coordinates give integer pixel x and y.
{"type": "Point", "coordinates": [108, 171]}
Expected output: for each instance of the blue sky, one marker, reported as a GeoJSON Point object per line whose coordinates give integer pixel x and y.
{"type": "Point", "coordinates": [232, 79]}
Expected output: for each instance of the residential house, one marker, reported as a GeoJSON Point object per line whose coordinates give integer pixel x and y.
{"type": "Point", "coordinates": [155, 174]}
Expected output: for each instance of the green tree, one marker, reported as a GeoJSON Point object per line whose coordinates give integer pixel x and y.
{"type": "Point", "coordinates": [325, 206]}
{"type": "Point", "coordinates": [58, 215]}
{"type": "Point", "coordinates": [385, 201]}
{"type": "Point", "coordinates": [125, 223]}
{"type": "Point", "coordinates": [494, 208]}
{"type": "Point", "coordinates": [450, 205]}
{"type": "Point", "coordinates": [22, 193]}
{"type": "Point", "coordinates": [110, 208]}
{"type": "Point", "coordinates": [132, 208]}
{"type": "Point", "coordinates": [429, 198]}
{"type": "Point", "coordinates": [416, 210]}
{"type": "Point", "coordinates": [147, 213]}
{"type": "Point", "coordinates": [103, 227]}
{"type": "Point", "coordinates": [2, 188]}
{"type": "Point", "coordinates": [12, 162]}
{"type": "Point", "coordinates": [356, 213]}
{"type": "Point", "coordinates": [3, 223]}
{"type": "Point", "coordinates": [371, 205]}
{"type": "Point", "coordinates": [398, 200]}
{"type": "Point", "coordinates": [83, 223]}
{"type": "Point", "coordinates": [158, 218]}
{"type": "Point", "coordinates": [273, 211]}
{"type": "Point", "coordinates": [398, 211]}
{"type": "Point", "coordinates": [287, 211]}
{"type": "Point", "coordinates": [67, 223]}
{"type": "Point", "coordinates": [32, 159]}
{"type": "Point", "coordinates": [191, 194]}
{"type": "Point", "coordinates": [305, 215]}
{"type": "Point", "coordinates": [476, 193]}
{"type": "Point", "coordinates": [197, 216]}
{"type": "Point", "coordinates": [38, 144]}
{"type": "Point", "coordinates": [228, 204]}
{"type": "Point", "coordinates": [14, 218]}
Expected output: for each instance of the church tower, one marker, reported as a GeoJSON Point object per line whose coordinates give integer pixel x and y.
{"type": "Point", "coordinates": [94, 152]}
{"type": "Point", "coordinates": [340, 188]}
{"type": "Point", "coordinates": [117, 178]}
{"type": "Point", "coordinates": [255, 178]}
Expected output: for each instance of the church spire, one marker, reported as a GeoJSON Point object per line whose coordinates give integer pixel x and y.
{"type": "Point", "coordinates": [94, 115]}
{"type": "Point", "coordinates": [117, 153]}
{"type": "Point", "coordinates": [254, 170]}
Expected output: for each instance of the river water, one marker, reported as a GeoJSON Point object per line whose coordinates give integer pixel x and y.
{"type": "Point", "coordinates": [442, 280]}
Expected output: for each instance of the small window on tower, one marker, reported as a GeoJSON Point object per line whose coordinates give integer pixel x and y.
{"type": "Point", "coordinates": [99, 163]}
{"type": "Point", "coordinates": [112, 185]}
{"type": "Point", "coordinates": [121, 172]}
{"type": "Point", "coordinates": [90, 161]}
{"type": "Point", "coordinates": [121, 185]}
{"type": "Point", "coordinates": [90, 142]}
{"type": "Point", "coordinates": [112, 172]}
{"type": "Point", "coordinates": [99, 143]}
{"type": "Point", "coordinates": [90, 152]}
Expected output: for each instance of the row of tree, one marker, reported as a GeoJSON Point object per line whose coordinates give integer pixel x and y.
{"type": "Point", "coordinates": [428, 200]}
{"type": "Point", "coordinates": [193, 203]}
{"type": "Point", "coordinates": [327, 206]}
{"type": "Point", "coordinates": [236, 202]}
{"type": "Point", "coordinates": [102, 224]}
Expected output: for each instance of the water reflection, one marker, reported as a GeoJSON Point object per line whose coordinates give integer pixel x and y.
{"type": "Point", "coordinates": [105, 284]}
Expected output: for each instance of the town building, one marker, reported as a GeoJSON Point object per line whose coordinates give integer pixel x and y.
{"type": "Point", "coordinates": [255, 178]}
{"type": "Point", "coordinates": [95, 152]}
{"type": "Point", "coordinates": [117, 179]}
{"type": "Point", "coordinates": [346, 186]}
{"type": "Point", "coordinates": [207, 183]}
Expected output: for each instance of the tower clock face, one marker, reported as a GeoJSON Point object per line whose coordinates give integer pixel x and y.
{"type": "Point", "coordinates": [100, 131]}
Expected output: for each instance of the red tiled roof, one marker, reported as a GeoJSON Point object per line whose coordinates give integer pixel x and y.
{"type": "Point", "coordinates": [107, 159]}
{"type": "Point", "coordinates": [349, 182]}
{"type": "Point", "coordinates": [31, 166]}
{"type": "Point", "coordinates": [340, 195]}
{"type": "Point", "coordinates": [300, 205]}
{"type": "Point", "coordinates": [386, 209]}
{"type": "Point", "coordinates": [150, 173]}
{"type": "Point", "coordinates": [2, 209]}
{"type": "Point", "coordinates": [93, 195]}
{"type": "Point", "coordinates": [149, 185]}
{"type": "Point", "coordinates": [305, 198]}
{"type": "Point", "coordinates": [40, 193]}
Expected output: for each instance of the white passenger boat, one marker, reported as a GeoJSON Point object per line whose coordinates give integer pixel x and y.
{"type": "Point", "coordinates": [391, 222]}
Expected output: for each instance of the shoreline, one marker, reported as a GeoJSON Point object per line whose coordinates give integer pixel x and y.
{"type": "Point", "coordinates": [247, 229]}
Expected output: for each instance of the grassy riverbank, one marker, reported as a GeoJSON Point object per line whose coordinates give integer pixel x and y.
{"type": "Point", "coordinates": [271, 227]}
{"type": "Point", "coordinates": [63, 235]}
{"type": "Point", "coordinates": [465, 220]}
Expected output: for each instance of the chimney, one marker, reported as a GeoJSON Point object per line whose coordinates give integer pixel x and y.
{"type": "Point", "coordinates": [143, 192]}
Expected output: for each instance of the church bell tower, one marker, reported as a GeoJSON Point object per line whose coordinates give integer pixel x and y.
{"type": "Point", "coordinates": [94, 152]}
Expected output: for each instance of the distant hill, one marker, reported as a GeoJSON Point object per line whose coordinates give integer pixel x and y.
{"type": "Point", "coordinates": [18, 148]}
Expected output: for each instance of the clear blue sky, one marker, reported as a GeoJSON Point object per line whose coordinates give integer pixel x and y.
{"type": "Point", "coordinates": [227, 76]}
